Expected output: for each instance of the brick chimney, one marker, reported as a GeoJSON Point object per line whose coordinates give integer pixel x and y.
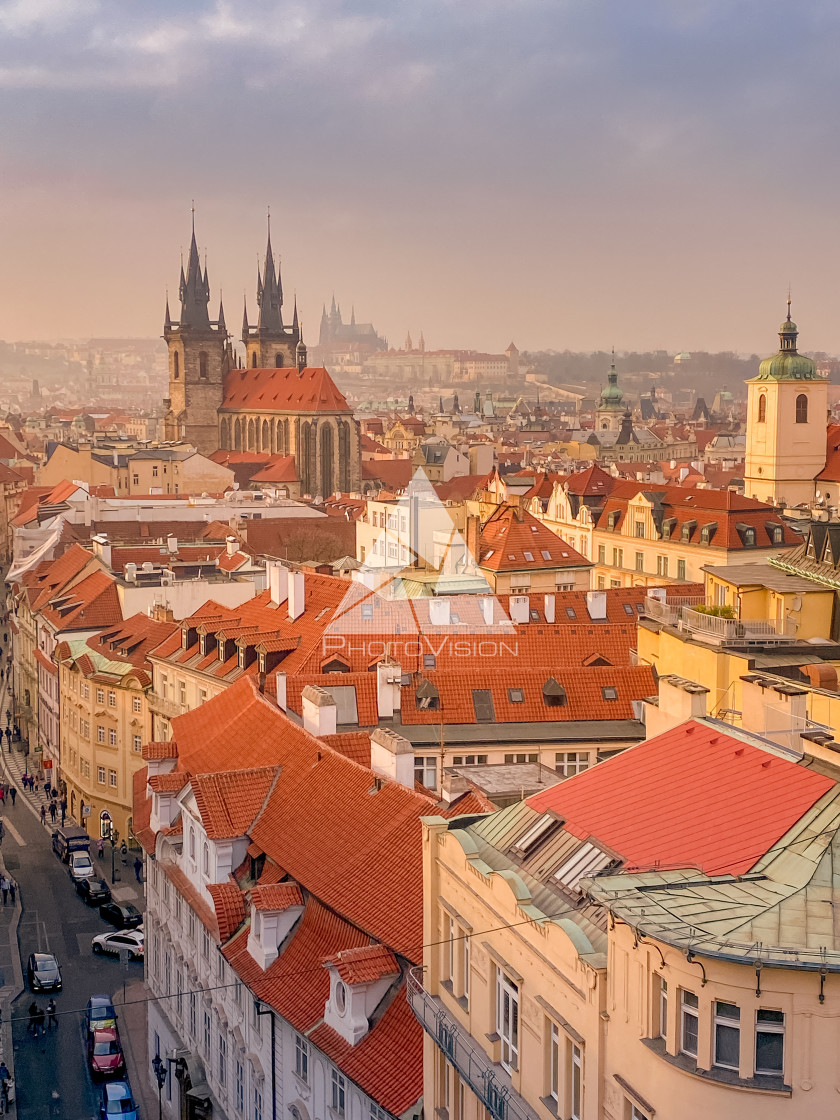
{"type": "Point", "coordinates": [320, 714]}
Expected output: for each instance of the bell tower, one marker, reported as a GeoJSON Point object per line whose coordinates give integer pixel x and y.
{"type": "Point", "coordinates": [200, 357]}
{"type": "Point", "coordinates": [787, 409]}
{"type": "Point", "coordinates": [270, 344]}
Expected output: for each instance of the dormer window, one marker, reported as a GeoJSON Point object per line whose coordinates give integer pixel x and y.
{"type": "Point", "coordinates": [202, 644]}
{"type": "Point", "coordinates": [185, 637]}
{"type": "Point", "coordinates": [242, 652]}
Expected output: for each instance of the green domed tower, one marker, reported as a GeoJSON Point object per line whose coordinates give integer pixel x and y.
{"type": "Point", "coordinates": [787, 409]}
{"type": "Point", "coordinates": [611, 403]}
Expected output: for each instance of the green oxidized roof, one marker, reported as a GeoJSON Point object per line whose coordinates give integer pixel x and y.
{"type": "Point", "coordinates": [787, 365]}
{"type": "Point", "coordinates": [611, 395]}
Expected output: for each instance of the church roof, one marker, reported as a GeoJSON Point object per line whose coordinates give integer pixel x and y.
{"type": "Point", "coordinates": [283, 390]}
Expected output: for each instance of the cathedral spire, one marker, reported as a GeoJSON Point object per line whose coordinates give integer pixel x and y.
{"type": "Point", "coordinates": [222, 326]}
{"type": "Point", "coordinates": [245, 328]}
{"type": "Point", "coordinates": [269, 290]}
{"type": "Point", "coordinates": [167, 319]}
{"type": "Point", "coordinates": [295, 316]}
{"type": "Point", "coordinates": [194, 289]}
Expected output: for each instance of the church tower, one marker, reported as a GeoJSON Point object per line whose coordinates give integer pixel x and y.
{"type": "Point", "coordinates": [787, 409]}
{"type": "Point", "coordinates": [611, 405]}
{"type": "Point", "coordinates": [270, 345]}
{"type": "Point", "coordinates": [200, 357]}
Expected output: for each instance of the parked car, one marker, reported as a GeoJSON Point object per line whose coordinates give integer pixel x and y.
{"type": "Point", "coordinates": [113, 943]}
{"type": "Point", "coordinates": [105, 1056]}
{"type": "Point", "coordinates": [68, 839]}
{"type": "Point", "coordinates": [95, 892]}
{"type": "Point", "coordinates": [81, 866]}
{"type": "Point", "coordinates": [100, 1014]}
{"type": "Point", "coordinates": [118, 1101]}
{"type": "Point", "coordinates": [43, 972]}
{"type": "Point", "coordinates": [123, 917]}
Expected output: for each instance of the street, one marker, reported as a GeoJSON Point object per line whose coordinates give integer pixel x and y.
{"type": "Point", "coordinates": [51, 1074]}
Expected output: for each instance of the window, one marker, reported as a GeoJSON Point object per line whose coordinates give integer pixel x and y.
{"type": "Point", "coordinates": [100, 696]}
{"type": "Point", "coordinates": [205, 858]}
{"type": "Point", "coordinates": [662, 565]}
{"type": "Point", "coordinates": [154, 472]}
{"type": "Point", "coordinates": [377, 1112]}
{"type": "Point", "coordinates": [554, 1064]}
{"type": "Point", "coordinates": [112, 736]}
{"type": "Point", "coordinates": [469, 760]}
{"type": "Point", "coordinates": [85, 691]}
{"type": "Point", "coordinates": [802, 409]}
{"type": "Point", "coordinates": [100, 733]}
{"type": "Point", "coordinates": [770, 1042]}
{"type": "Point", "coordinates": [762, 408]}
{"type": "Point", "coordinates": [690, 1024]}
{"type": "Point", "coordinates": [258, 1110]}
{"type": "Point", "coordinates": [640, 528]}
{"type": "Point", "coordinates": [182, 692]}
{"type": "Point", "coordinates": [510, 758]}
{"type": "Point", "coordinates": [516, 696]}
{"type": "Point", "coordinates": [609, 692]}
{"type": "Point", "coordinates": [507, 1019]}
{"type": "Point", "coordinates": [448, 963]}
{"type": "Point", "coordinates": [571, 612]}
{"type": "Point", "coordinates": [727, 1040]}
{"type": "Point", "coordinates": [637, 1114]}
{"type": "Point", "coordinates": [202, 365]}
{"type": "Point", "coordinates": [338, 1093]}
{"type": "Point", "coordinates": [136, 704]}
{"type": "Point", "coordinates": [602, 583]}
{"type": "Point", "coordinates": [112, 779]}
{"type": "Point", "coordinates": [681, 569]}
{"type": "Point", "coordinates": [663, 1007]}
{"type": "Point", "coordinates": [137, 744]}
{"type": "Point", "coordinates": [575, 1081]}
{"type": "Point", "coordinates": [302, 1058]}
{"type": "Point", "coordinates": [618, 557]}
{"type": "Point", "coordinates": [100, 775]}
{"type": "Point", "coordinates": [571, 762]}
{"type": "Point", "coordinates": [222, 1059]}
{"type": "Point", "coordinates": [193, 1010]}
{"type": "Point", "coordinates": [546, 555]}
{"type": "Point", "coordinates": [239, 1091]}
{"type": "Point", "coordinates": [602, 554]}
{"type": "Point", "coordinates": [135, 478]}
{"type": "Point", "coordinates": [429, 661]}
{"type": "Point", "coordinates": [425, 770]}
{"type": "Point", "coordinates": [176, 365]}
{"type": "Point", "coordinates": [465, 962]}
{"type": "Point", "coordinates": [706, 533]}
{"type": "Point", "coordinates": [749, 538]}
{"type": "Point", "coordinates": [112, 698]}
{"type": "Point", "coordinates": [206, 1034]}
{"type": "Point", "coordinates": [483, 705]}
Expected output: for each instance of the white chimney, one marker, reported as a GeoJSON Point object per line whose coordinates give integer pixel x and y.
{"type": "Point", "coordinates": [231, 545]}
{"type": "Point", "coordinates": [172, 544]}
{"type": "Point", "coordinates": [388, 674]}
{"type": "Point", "coordinates": [439, 612]}
{"type": "Point", "coordinates": [102, 548]}
{"type": "Point", "coordinates": [596, 604]}
{"type": "Point", "coordinates": [130, 572]}
{"type": "Point", "coordinates": [319, 711]}
{"type": "Point", "coordinates": [487, 610]}
{"type": "Point", "coordinates": [296, 594]}
{"type": "Point", "coordinates": [549, 608]}
{"type": "Point", "coordinates": [392, 756]}
{"type": "Point", "coordinates": [278, 582]}
{"type": "Point", "coordinates": [520, 607]}
{"type": "Point", "coordinates": [280, 690]}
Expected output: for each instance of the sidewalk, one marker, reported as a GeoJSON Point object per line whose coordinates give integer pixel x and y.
{"type": "Point", "coordinates": [133, 1020]}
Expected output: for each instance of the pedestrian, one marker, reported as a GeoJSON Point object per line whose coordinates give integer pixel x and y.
{"type": "Point", "coordinates": [41, 1021]}
{"type": "Point", "coordinates": [138, 869]}
{"type": "Point", "coordinates": [100, 847]}
{"type": "Point", "coordinates": [35, 785]}
{"type": "Point", "coordinates": [43, 815]}
{"type": "Point", "coordinates": [4, 888]}
{"type": "Point", "coordinates": [33, 1017]}
{"type": "Point", "coordinates": [5, 1078]}
{"type": "Point", "coordinates": [53, 811]}
{"type": "Point", "coordinates": [12, 889]}
{"type": "Point", "coordinates": [12, 793]}
{"type": "Point", "coordinates": [52, 1019]}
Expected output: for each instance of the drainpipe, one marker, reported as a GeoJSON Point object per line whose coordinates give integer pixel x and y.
{"type": "Point", "coordinates": [260, 1010]}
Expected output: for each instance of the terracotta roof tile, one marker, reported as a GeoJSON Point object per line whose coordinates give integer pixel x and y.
{"type": "Point", "coordinates": [229, 904]}
{"type": "Point", "coordinates": [276, 896]}
{"type": "Point", "coordinates": [283, 390]}
{"type": "Point", "coordinates": [157, 750]}
{"type": "Point", "coordinates": [514, 540]}
{"type": "Point", "coordinates": [229, 801]}
{"type": "Point", "coordinates": [364, 965]}
{"type": "Point", "coordinates": [173, 782]}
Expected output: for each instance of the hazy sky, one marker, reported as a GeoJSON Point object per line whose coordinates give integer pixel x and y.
{"type": "Point", "coordinates": [566, 173]}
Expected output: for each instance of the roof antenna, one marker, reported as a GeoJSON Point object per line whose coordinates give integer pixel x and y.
{"type": "Point", "coordinates": [788, 314]}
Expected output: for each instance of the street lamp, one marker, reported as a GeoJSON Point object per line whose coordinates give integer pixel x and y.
{"type": "Point", "coordinates": [159, 1068]}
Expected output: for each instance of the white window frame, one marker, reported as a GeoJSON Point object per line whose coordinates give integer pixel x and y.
{"type": "Point", "coordinates": [302, 1058]}
{"type": "Point", "coordinates": [770, 1028]}
{"type": "Point", "coordinates": [725, 1022]}
{"type": "Point", "coordinates": [691, 1011]}
{"type": "Point", "coordinates": [663, 1006]}
{"type": "Point", "coordinates": [554, 1064]}
{"type": "Point", "coordinates": [338, 1093]}
{"type": "Point", "coordinates": [507, 1019]}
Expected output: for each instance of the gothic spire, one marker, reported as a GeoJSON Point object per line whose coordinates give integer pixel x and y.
{"type": "Point", "coordinates": [167, 319]}
{"type": "Point", "coordinates": [245, 328]}
{"type": "Point", "coordinates": [270, 291]}
{"type": "Point", "coordinates": [194, 290]}
{"type": "Point", "coordinates": [222, 326]}
{"type": "Point", "coordinates": [295, 316]}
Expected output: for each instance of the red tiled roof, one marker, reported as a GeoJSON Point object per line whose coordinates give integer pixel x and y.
{"type": "Point", "coordinates": [514, 540]}
{"type": "Point", "coordinates": [276, 896]}
{"type": "Point", "coordinates": [365, 964]}
{"type": "Point", "coordinates": [354, 745]}
{"type": "Point", "coordinates": [173, 782]}
{"type": "Point", "coordinates": [392, 474]}
{"type": "Point", "coordinates": [831, 470]}
{"type": "Point", "coordinates": [473, 801]}
{"type": "Point", "coordinates": [281, 469]}
{"type": "Point", "coordinates": [691, 797]}
{"type": "Point", "coordinates": [229, 904]}
{"type": "Point", "coordinates": [229, 801]}
{"type": "Point", "coordinates": [460, 488]}
{"type": "Point", "coordinates": [93, 602]}
{"type": "Point", "coordinates": [158, 750]}
{"type": "Point", "coordinates": [133, 640]}
{"type": "Point", "coordinates": [282, 390]}
{"type": "Point", "coordinates": [592, 482]}
{"type": "Point", "coordinates": [45, 662]}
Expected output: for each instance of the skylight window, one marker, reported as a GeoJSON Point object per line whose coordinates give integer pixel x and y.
{"type": "Point", "coordinates": [570, 612]}
{"type": "Point", "coordinates": [511, 556]}
{"type": "Point", "coordinates": [533, 528]}
{"type": "Point", "coordinates": [609, 692]}
{"type": "Point", "coordinates": [543, 828]}
{"type": "Point", "coordinates": [529, 556]}
{"type": "Point", "coordinates": [587, 860]}
{"type": "Point", "coordinates": [489, 553]}
{"type": "Point", "coordinates": [546, 555]}
{"type": "Point", "coordinates": [516, 696]}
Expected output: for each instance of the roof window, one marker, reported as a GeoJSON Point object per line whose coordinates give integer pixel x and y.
{"type": "Point", "coordinates": [554, 694]}
{"type": "Point", "coordinates": [571, 612]}
{"type": "Point", "coordinates": [609, 692]}
{"type": "Point", "coordinates": [546, 555]}
{"type": "Point", "coordinates": [546, 826]}
{"type": "Point", "coordinates": [587, 860]}
{"type": "Point", "coordinates": [483, 705]}
{"type": "Point", "coordinates": [529, 556]}
{"type": "Point", "coordinates": [516, 695]}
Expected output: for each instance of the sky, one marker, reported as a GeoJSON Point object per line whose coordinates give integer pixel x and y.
{"type": "Point", "coordinates": [567, 174]}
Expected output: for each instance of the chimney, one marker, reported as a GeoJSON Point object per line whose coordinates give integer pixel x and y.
{"type": "Point", "coordinates": [130, 572]}
{"type": "Point", "coordinates": [549, 608]}
{"type": "Point", "coordinates": [102, 548]}
{"type": "Point", "coordinates": [520, 608]}
{"type": "Point", "coordinates": [487, 610]}
{"type": "Point", "coordinates": [231, 545]}
{"type": "Point", "coordinates": [278, 582]}
{"type": "Point", "coordinates": [280, 690]}
{"type": "Point", "coordinates": [392, 756]}
{"type": "Point", "coordinates": [320, 712]}
{"type": "Point", "coordinates": [596, 604]}
{"type": "Point", "coordinates": [388, 675]}
{"type": "Point", "coordinates": [439, 612]}
{"type": "Point", "coordinates": [473, 539]}
{"type": "Point", "coordinates": [162, 613]}
{"type": "Point", "coordinates": [172, 545]}
{"type": "Point", "coordinates": [296, 594]}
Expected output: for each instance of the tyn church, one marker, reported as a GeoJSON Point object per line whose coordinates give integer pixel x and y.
{"type": "Point", "coordinates": [274, 404]}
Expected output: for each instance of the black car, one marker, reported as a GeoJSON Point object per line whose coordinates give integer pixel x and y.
{"type": "Point", "coordinates": [43, 972]}
{"type": "Point", "coordinates": [93, 891]}
{"type": "Point", "coordinates": [123, 917]}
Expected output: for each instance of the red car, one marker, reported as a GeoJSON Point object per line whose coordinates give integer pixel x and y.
{"type": "Point", "coordinates": [105, 1055]}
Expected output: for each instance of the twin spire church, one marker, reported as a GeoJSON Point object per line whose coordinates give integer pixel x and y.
{"type": "Point", "coordinates": [275, 403]}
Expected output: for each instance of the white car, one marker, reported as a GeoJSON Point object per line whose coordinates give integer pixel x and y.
{"type": "Point", "coordinates": [81, 866]}
{"type": "Point", "coordinates": [131, 940]}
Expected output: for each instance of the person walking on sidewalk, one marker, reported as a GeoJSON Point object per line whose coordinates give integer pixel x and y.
{"type": "Point", "coordinates": [51, 1011]}
{"type": "Point", "coordinates": [100, 847]}
{"type": "Point", "coordinates": [32, 1026]}
{"type": "Point", "coordinates": [53, 811]}
{"type": "Point", "coordinates": [4, 888]}
{"type": "Point", "coordinates": [12, 793]}
{"type": "Point", "coordinates": [43, 814]}
{"type": "Point", "coordinates": [40, 1022]}
{"type": "Point", "coordinates": [12, 889]}
{"type": "Point", "coordinates": [138, 869]}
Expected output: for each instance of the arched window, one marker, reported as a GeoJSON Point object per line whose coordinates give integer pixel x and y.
{"type": "Point", "coordinates": [278, 361]}
{"type": "Point", "coordinates": [176, 365]}
{"type": "Point", "coordinates": [254, 360]}
{"type": "Point", "coordinates": [762, 408]}
{"type": "Point", "coordinates": [202, 365]}
{"type": "Point", "coordinates": [802, 409]}
{"type": "Point", "coordinates": [205, 859]}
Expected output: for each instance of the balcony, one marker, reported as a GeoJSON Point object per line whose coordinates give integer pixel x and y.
{"type": "Point", "coordinates": [164, 707]}
{"type": "Point", "coordinates": [487, 1080]}
{"type": "Point", "coordinates": [683, 614]}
